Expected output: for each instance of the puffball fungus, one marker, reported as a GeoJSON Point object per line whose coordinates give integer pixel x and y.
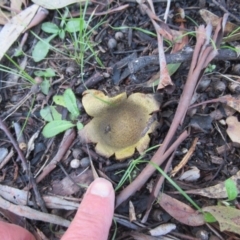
{"type": "Point", "coordinates": [120, 124]}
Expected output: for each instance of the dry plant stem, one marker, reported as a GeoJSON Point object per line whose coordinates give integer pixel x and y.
{"type": "Point", "coordinates": [214, 231]}
{"type": "Point", "coordinates": [14, 143]}
{"type": "Point", "coordinates": [110, 11]}
{"type": "Point", "coordinates": [37, 194]}
{"type": "Point", "coordinates": [68, 138]}
{"type": "Point", "coordinates": [13, 109]}
{"type": "Point", "coordinates": [156, 189]}
{"type": "Point", "coordinates": [7, 159]}
{"type": "Point", "coordinates": [167, 11]}
{"type": "Point", "coordinates": [185, 159]}
{"type": "Point", "coordinates": [165, 78]}
{"type": "Point", "coordinates": [30, 213]}
{"type": "Point", "coordinates": [24, 162]}
{"type": "Point", "coordinates": [149, 170]}
{"type": "Point", "coordinates": [202, 53]}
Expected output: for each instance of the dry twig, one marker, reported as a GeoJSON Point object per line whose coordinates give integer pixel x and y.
{"type": "Point", "coordinates": [204, 52]}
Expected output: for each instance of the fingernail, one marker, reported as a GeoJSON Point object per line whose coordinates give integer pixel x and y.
{"type": "Point", "coordinates": [101, 187]}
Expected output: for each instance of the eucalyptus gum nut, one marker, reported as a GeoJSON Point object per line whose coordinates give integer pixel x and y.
{"type": "Point", "coordinates": [119, 122]}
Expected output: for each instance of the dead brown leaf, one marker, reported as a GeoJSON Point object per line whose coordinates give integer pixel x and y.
{"type": "Point", "coordinates": [15, 27]}
{"type": "Point", "coordinates": [228, 217]}
{"type": "Point", "coordinates": [209, 17]}
{"type": "Point", "coordinates": [55, 4]}
{"type": "Point", "coordinates": [218, 191]}
{"type": "Point", "coordinates": [4, 17]}
{"type": "Point", "coordinates": [233, 129]}
{"type": "Point", "coordinates": [67, 187]}
{"type": "Point", "coordinates": [180, 211]}
{"type": "Point", "coordinates": [232, 101]}
{"type": "Point", "coordinates": [16, 6]}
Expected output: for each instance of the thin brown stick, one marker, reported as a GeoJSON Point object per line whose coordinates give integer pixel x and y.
{"type": "Point", "coordinates": [185, 159]}
{"type": "Point", "coordinates": [68, 138]}
{"type": "Point", "coordinates": [15, 144]}
{"type": "Point", "coordinates": [149, 170]}
{"type": "Point", "coordinates": [202, 53]}
{"type": "Point", "coordinates": [156, 189]}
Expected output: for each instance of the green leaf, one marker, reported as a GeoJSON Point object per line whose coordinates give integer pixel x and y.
{"type": "Point", "coordinates": [74, 25]}
{"type": "Point", "coordinates": [55, 127]}
{"type": "Point", "coordinates": [79, 125]}
{"type": "Point", "coordinates": [45, 85]}
{"type": "Point", "coordinates": [50, 114]}
{"type": "Point", "coordinates": [209, 218]}
{"type": "Point", "coordinates": [231, 188]}
{"type": "Point", "coordinates": [49, 72]}
{"type": "Point", "coordinates": [71, 102]}
{"type": "Point", "coordinates": [49, 27]}
{"type": "Point", "coordinates": [59, 100]}
{"type": "Point", "coordinates": [173, 67]}
{"type": "Point", "coordinates": [61, 34]}
{"type": "Point", "coordinates": [41, 49]}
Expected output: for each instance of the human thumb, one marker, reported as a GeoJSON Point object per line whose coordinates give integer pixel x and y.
{"type": "Point", "coordinates": [94, 216]}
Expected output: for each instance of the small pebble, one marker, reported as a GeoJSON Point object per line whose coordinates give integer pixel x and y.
{"type": "Point", "coordinates": [236, 69]}
{"type": "Point", "coordinates": [119, 35]}
{"type": "Point", "coordinates": [157, 215]}
{"type": "Point", "coordinates": [38, 80]}
{"type": "Point", "coordinates": [204, 83]}
{"type": "Point", "coordinates": [85, 162]}
{"type": "Point", "coordinates": [219, 86]}
{"type": "Point", "coordinates": [112, 43]}
{"type": "Point", "coordinates": [75, 163]}
{"type": "Point", "coordinates": [234, 87]}
{"type": "Point", "coordinates": [106, 75]}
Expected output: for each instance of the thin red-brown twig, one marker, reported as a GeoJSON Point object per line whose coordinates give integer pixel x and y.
{"type": "Point", "coordinates": [203, 54]}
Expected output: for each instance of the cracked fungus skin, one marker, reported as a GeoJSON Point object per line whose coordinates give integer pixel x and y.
{"type": "Point", "coordinates": [119, 124]}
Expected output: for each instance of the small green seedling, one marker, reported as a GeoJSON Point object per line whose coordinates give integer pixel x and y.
{"type": "Point", "coordinates": [231, 188]}
{"type": "Point", "coordinates": [55, 123]}
{"type": "Point", "coordinates": [43, 46]}
{"type": "Point", "coordinates": [210, 68]}
{"type": "Point", "coordinates": [46, 74]}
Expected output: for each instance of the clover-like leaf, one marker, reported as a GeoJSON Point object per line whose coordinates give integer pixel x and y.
{"type": "Point", "coordinates": [120, 123]}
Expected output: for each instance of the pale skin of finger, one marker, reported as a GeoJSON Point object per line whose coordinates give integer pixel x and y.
{"type": "Point", "coordinates": [13, 232]}
{"type": "Point", "coordinates": [94, 216]}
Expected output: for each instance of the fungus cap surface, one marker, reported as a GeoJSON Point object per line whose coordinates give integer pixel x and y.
{"type": "Point", "coordinates": [120, 124]}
